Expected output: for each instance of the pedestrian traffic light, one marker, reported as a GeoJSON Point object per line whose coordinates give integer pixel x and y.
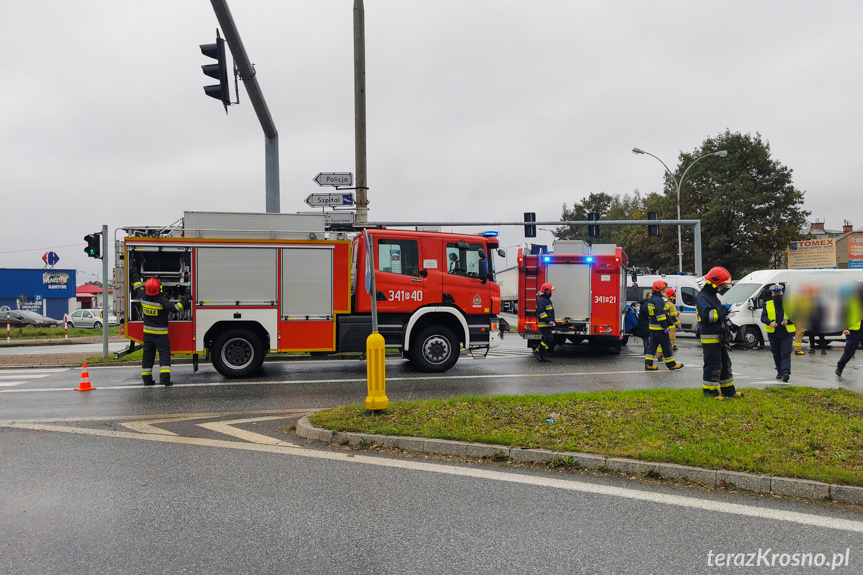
{"type": "Point", "coordinates": [593, 231]}
{"type": "Point", "coordinates": [529, 230]}
{"type": "Point", "coordinates": [219, 71]}
{"type": "Point", "coordinates": [94, 243]}
{"type": "Point", "coordinates": [652, 231]}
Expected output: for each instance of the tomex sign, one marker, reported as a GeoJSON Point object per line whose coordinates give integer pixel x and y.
{"type": "Point", "coordinates": [807, 254]}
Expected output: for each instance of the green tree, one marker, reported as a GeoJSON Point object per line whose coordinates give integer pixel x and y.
{"type": "Point", "coordinates": [748, 206]}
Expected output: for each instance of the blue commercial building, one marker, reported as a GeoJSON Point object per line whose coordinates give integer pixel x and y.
{"type": "Point", "coordinates": [49, 291]}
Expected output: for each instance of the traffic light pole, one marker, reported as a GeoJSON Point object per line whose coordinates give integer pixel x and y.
{"type": "Point", "coordinates": [247, 74]}
{"type": "Point", "coordinates": [695, 223]}
{"type": "Point", "coordinates": [105, 316]}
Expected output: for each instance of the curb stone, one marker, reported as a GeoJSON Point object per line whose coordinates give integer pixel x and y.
{"type": "Point", "coordinates": [803, 488]}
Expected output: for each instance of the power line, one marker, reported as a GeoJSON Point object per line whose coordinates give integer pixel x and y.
{"type": "Point", "coordinates": [38, 249]}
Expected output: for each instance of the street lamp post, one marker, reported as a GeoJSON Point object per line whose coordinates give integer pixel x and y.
{"type": "Point", "coordinates": [679, 183]}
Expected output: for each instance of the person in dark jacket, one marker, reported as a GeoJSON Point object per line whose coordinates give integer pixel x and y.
{"type": "Point", "coordinates": [711, 312]}
{"type": "Point", "coordinates": [630, 321]}
{"type": "Point", "coordinates": [657, 311]}
{"type": "Point", "coordinates": [853, 337]}
{"type": "Point", "coordinates": [780, 332]}
{"type": "Point", "coordinates": [545, 321]}
{"type": "Point", "coordinates": [642, 330]}
{"type": "Point", "coordinates": [156, 309]}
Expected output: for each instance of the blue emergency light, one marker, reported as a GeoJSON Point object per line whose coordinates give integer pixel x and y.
{"type": "Point", "coordinates": [489, 234]}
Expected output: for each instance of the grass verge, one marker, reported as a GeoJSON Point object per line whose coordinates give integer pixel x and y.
{"type": "Point", "coordinates": [789, 432]}
{"type": "Point", "coordinates": [56, 332]}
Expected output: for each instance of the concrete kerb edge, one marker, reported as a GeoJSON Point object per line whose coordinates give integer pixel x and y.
{"type": "Point", "coordinates": [803, 488]}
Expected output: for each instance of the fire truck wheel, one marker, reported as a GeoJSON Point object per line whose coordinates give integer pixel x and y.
{"type": "Point", "coordinates": [435, 349]}
{"type": "Point", "coordinates": [237, 353]}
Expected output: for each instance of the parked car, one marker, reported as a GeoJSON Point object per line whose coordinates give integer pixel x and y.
{"type": "Point", "coordinates": [25, 318]}
{"type": "Point", "coordinates": [90, 318]}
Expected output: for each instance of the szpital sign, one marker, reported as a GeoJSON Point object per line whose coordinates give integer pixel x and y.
{"type": "Point", "coordinates": [335, 179]}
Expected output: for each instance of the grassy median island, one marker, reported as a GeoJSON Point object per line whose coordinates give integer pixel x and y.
{"type": "Point", "coordinates": [790, 432]}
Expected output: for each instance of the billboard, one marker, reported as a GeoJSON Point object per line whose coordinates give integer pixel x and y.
{"type": "Point", "coordinates": [855, 252]}
{"type": "Point", "coordinates": [809, 254]}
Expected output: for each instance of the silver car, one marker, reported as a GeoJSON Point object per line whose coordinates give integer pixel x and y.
{"type": "Point", "coordinates": [90, 318]}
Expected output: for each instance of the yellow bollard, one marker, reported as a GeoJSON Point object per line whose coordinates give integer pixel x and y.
{"type": "Point", "coordinates": [376, 372]}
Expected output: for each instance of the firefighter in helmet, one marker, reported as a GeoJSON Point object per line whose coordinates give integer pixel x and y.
{"type": "Point", "coordinates": [156, 307]}
{"type": "Point", "coordinates": [717, 379]}
{"type": "Point", "coordinates": [545, 321]}
{"type": "Point", "coordinates": [659, 326]}
{"type": "Point", "coordinates": [673, 320]}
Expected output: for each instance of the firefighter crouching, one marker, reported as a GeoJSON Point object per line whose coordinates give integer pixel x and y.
{"type": "Point", "coordinates": [545, 321]}
{"type": "Point", "coordinates": [717, 377]}
{"type": "Point", "coordinates": [155, 308]}
{"type": "Point", "coordinates": [657, 311]}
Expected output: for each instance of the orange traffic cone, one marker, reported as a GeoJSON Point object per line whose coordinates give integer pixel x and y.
{"type": "Point", "coordinates": [85, 380]}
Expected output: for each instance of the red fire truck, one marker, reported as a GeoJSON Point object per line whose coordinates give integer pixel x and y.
{"type": "Point", "coordinates": [589, 292]}
{"type": "Point", "coordinates": [262, 283]}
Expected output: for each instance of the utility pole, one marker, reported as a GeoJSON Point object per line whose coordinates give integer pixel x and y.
{"type": "Point", "coordinates": [247, 74]}
{"type": "Point", "coordinates": [360, 112]}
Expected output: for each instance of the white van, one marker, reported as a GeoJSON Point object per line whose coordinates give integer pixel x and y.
{"type": "Point", "coordinates": [685, 286]}
{"type": "Point", "coordinates": [746, 298]}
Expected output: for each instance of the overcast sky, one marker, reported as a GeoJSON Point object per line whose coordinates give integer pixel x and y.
{"type": "Point", "coordinates": [477, 110]}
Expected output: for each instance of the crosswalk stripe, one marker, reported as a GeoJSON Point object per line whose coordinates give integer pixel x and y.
{"type": "Point", "coordinates": [19, 376]}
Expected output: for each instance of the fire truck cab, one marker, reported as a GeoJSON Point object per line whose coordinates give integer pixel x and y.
{"type": "Point", "coordinates": [268, 283]}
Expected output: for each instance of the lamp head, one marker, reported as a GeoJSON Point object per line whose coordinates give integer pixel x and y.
{"type": "Point", "coordinates": [721, 153]}
{"type": "Point", "coordinates": [637, 151]}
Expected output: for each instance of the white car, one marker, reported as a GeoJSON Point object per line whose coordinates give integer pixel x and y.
{"type": "Point", "coordinates": [90, 318]}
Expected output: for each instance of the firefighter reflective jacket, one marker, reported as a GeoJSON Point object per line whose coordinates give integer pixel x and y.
{"type": "Point", "coordinates": [711, 315]}
{"type": "Point", "coordinates": [155, 309]}
{"type": "Point", "coordinates": [544, 311]}
{"type": "Point", "coordinates": [656, 310]}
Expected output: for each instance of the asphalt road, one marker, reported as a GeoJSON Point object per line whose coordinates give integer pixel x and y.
{"type": "Point", "coordinates": [206, 477]}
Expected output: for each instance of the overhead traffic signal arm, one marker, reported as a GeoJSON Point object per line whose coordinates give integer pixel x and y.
{"type": "Point", "coordinates": [219, 71]}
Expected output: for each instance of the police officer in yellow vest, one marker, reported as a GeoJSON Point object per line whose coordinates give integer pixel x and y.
{"type": "Point", "coordinates": [780, 332]}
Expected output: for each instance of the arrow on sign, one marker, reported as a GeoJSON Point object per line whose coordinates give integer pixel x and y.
{"type": "Point", "coordinates": [334, 179]}
{"type": "Point", "coordinates": [323, 200]}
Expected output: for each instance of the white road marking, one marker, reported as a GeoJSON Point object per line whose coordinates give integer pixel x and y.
{"type": "Point", "coordinates": [227, 428]}
{"type": "Point", "coordinates": [349, 380]}
{"type": "Point", "coordinates": [807, 519]}
{"type": "Point", "coordinates": [19, 376]}
{"type": "Point", "coordinates": [148, 426]}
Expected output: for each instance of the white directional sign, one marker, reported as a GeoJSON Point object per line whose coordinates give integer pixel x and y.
{"type": "Point", "coordinates": [335, 179]}
{"type": "Point", "coordinates": [324, 200]}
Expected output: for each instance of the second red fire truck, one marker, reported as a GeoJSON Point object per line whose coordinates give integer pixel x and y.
{"type": "Point", "coordinates": [589, 295]}
{"type": "Point", "coordinates": [262, 283]}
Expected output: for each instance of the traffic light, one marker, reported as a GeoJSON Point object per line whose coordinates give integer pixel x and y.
{"type": "Point", "coordinates": [652, 231]}
{"type": "Point", "coordinates": [593, 231]}
{"type": "Point", "coordinates": [219, 71]}
{"type": "Point", "coordinates": [94, 245]}
{"type": "Point", "coordinates": [529, 230]}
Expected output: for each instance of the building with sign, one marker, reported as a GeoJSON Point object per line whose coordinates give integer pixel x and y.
{"type": "Point", "coordinates": [50, 291]}
{"type": "Point", "coordinates": [827, 248]}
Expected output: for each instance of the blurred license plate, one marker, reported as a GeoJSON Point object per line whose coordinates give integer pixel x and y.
{"type": "Point", "coordinates": [533, 336]}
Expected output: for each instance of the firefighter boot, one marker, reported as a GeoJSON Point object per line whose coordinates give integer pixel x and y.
{"type": "Point", "coordinates": [165, 379]}
{"type": "Point", "coordinates": [542, 358]}
{"type": "Point", "coordinates": [648, 366]}
{"type": "Point", "coordinates": [710, 391]}
{"type": "Point", "coordinates": [148, 379]}
{"type": "Point", "coordinates": [675, 366]}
